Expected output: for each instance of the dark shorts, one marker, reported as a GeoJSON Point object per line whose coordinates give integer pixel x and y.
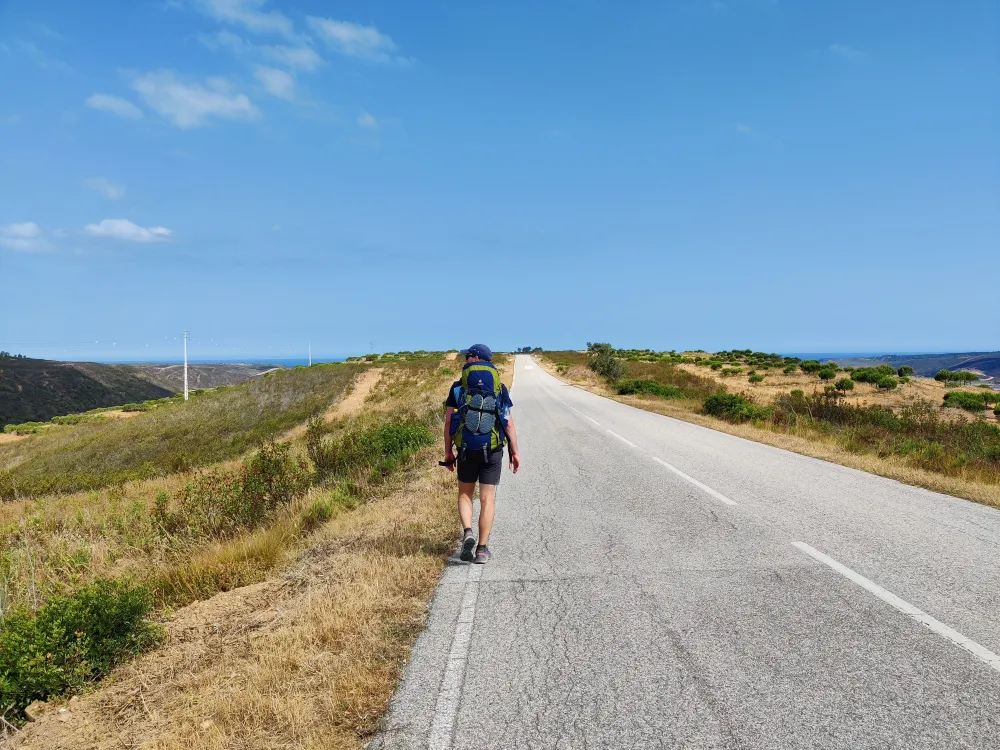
{"type": "Point", "coordinates": [475, 468]}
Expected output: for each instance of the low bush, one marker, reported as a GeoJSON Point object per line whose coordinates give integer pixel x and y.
{"type": "Point", "coordinates": [734, 408]}
{"type": "Point", "coordinates": [789, 369]}
{"type": "Point", "coordinates": [756, 378]}
{"type": "Point", "coordinates": [845, 384]}
{"type": "Point", "coordinates": [967, 400]}
{"type": "Point", "coordinates": [647, 388]}
{"type": "Point", "coordinates": [886, 383]}
{"type": "Point", "coordinates": [71, 641]}
{"type": "Point", "coordinates": [905, 371]}
{"type": "Point", "coordinates": [365, 454]}
{"type": "Point", "coordinates": [947, 376]}
{"type": "Point", "coordinates": [604, 360]}
{"type": "Point", "coordinates": [219, 505]}
{"type": "Point", "coordinates": [810, 366]}
{"type": "Point", "coordinates": [827, 373]}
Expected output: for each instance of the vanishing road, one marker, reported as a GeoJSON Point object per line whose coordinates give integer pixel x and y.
{"type": "Point", "coordinates": [656, 584]}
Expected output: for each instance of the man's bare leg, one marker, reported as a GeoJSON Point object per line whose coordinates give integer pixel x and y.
{"type": "Point", "coordinates": [465, 492]}
{"type": "Point", "coordinates": [487, 494]}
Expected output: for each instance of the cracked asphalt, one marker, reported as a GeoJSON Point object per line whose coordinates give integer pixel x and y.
{"type": "Point", "coordinates": [625, 607]}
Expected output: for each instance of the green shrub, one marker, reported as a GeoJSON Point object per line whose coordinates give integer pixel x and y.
{"type": "Point", "coordinates": [71, 641]}
{"type": "Point", "coordinates": [873, 374]}
{"type": "Point", "coordinates": [648, 388]}
{"type": "Point", "coordinates": [810, 366]}
{"type": "Point", "coordinates": [756, 378]}
{"type": "Point", "coordinates": [966, 400]}
{"type": "Point", "coordinates": [734, 408]}
{"type": "Point", "coordinates": [219, 504]}
{"type": "Point", "coordinates": [827, 373]}
{"type": "Point", "coordinates": [365, 454]}
{"type": "Point", "coordinates": [905, 371]}
{"type": "Point", "coordinates": [886, 383]}
{"type": "Point", "coordinates": [731, 371]}
{"type": "Point", "coordinates": [789, 369]}
{"type": "Point", "coordinates": [947, 376]}
{"type": "Point", "coordinates": [604, 360]}
{"type": "Point", "coordinates": [904, 379]}
{"type": "Point", "coordinates": [845, 384]}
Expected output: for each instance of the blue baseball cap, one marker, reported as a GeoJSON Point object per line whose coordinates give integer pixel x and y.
{"type": "Point", "coordinates": [479, 350]}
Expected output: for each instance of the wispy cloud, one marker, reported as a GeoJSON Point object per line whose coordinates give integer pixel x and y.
{"type": "Point", "coordinates": [367, 120]}
{"type": "Point", "coordinates": [115, 105]}
{"type": "Point", "coordinates": [302, 57]}
{"type": "Point", "coordinates": [13, 119]}
{"type": "Point", "coordinates": [25, 237]}
{"type": "Point", "coordinates": [742, 127]}
{"type": "Point", "coordinates": [355, 40]}
{"type": "Point", "coordinates": [105, 187]}
{"type": "Point", "coordinates": [42, 58]}
{"type": "Point", "coordinates": [276, 82]}
{"type": "Point", "coordinates": [123, 229]}
{"type": "Point", "coordinates": [191, 105]}
{"type": "Point", "coordinates": [846, 51]}
{"type": "Point", "coordinates": [250, 15]}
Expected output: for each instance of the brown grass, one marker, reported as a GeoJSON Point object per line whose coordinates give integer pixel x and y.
{"type": "Point", "coordinates": [810, 443]}
{"type": "Point", "coordinates": [308, 659]}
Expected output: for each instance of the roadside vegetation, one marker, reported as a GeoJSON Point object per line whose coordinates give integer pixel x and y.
{"type": "Point", "coordinates": [911, 428]}
{"type": "Point", "coordinates": [174, 436]}
{"type": "Point", "coordinates": [93, 578]}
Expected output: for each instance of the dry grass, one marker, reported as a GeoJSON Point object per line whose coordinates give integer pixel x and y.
{"type": "Point", "coordinates": [305, 660]}
{"type": "Point", "coordinates": [809, 443]}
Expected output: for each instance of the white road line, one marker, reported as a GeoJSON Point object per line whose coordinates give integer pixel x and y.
{"type": "Point", "coordinates": [585, 416]}
{"type": "Point", "coordinates": [981, 653]}
{"type": "Point", "coordinates": [615, 434]}
{"type": "Point", "coordinates": [695, 482]}
{"type": "Point", "coordinates": [450, 694]}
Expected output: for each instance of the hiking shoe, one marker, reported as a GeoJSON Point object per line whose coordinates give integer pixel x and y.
{"type": "Point", "coordinates": [468, 544]}
{"type": "Point", "coordinates": [483, 555]}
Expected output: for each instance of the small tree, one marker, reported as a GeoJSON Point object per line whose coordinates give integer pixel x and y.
{"type": "Point", "coordinates": [886, 384]}
{"type": "Point", "coordinates": [845, 384]}
{"type": "Point", "coordinates": [827, 373]}
{"type": "Point", "coordinates": [905, 371]}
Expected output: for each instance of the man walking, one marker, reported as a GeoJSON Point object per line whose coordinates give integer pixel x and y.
{"type": "Point", "coordinates": [478, 424]}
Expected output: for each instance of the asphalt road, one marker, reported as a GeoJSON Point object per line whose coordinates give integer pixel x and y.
{"type": "Point", "coordinates": [656, 584]}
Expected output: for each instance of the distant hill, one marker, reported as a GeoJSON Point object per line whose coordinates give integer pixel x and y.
{"type": "Point", "coordinates": [927, 365]}
{"type": "Point", "coordinates": [201, 376]}
{"type": "Point", "coordinates": [35, 390]}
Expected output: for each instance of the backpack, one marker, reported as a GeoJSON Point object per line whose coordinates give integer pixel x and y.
{"type": "Point", "coordinates": [480, 426]}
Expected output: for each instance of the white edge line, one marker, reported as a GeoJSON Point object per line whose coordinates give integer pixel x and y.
{"type": "Point", "coordinates": [627, 442]}
{"type": "Point", "coordinates": [980, 652]}
{"type": "Point", "coordinates": [450, 693]}
{"type": "Point", "coordinates": [717, 495]}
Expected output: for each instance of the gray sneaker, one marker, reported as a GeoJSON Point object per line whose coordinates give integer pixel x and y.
{"type": "Point", "coordinates": [483, 555]}
{"type": "Point", "coordinates": [468, 544]}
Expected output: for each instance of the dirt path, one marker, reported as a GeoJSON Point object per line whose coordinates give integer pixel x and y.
{"type": "Point", "coordinates": [348, 405]}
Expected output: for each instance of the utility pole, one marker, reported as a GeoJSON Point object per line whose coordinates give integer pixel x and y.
{"type": "Point", "coordinates": [186, 365]}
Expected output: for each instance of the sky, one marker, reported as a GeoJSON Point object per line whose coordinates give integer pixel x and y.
{"type": "Point", "coordinates": [382, 175]}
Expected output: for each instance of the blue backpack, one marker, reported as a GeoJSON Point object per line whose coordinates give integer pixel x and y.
{"type": "Point", "coordinates": [480, 424]}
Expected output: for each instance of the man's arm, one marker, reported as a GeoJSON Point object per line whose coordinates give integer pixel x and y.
{"type": "Point", "coordinates": [449, 453]}
{"type": "Point", "coordinates": [515, 457]}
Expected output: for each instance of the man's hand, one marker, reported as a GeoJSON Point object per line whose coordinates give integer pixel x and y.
{"type": "Point", "coordinates": [515, 462]}
{"type": "Point", "coordinates": [449, 459]}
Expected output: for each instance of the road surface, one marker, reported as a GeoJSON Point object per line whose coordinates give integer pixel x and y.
{"type": "Point", "coordinates": [656, 584]}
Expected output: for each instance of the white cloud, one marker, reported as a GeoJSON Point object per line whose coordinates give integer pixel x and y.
{"type": "Point", "coordinates": [106, 188]}
{"type": "Point", "coordinates": [115, 105]}
{"type": "Point", "coordinates": [276, 82]}
{"type": "Point", "coordinates": [25, 237]}
{"type": "Point", "coordinates": [846, 51]}
{"type": "Point", "coordinates": [189, 105]}
{"type": "Point", "coordinates": [123, 229]}
{"type": "Point", "coordinates": [248, 13]}
{"type": "Point", "coordinates": [355, 40]}
{"type": "Point", "coordinates": [367, 120]}
{"type": "Point", "coordinates": [295, 58]}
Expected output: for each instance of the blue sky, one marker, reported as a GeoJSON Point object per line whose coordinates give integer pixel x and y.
{"type": "Point", "coordinates": [746, 173]}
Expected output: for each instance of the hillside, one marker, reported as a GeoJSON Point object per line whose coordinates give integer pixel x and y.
{"type": "Point", "coordinates": [171, 377]}
{"type": "Point", "coordinates": [926, 365]}
{"type": "Point", "coordinates": [36, 389]}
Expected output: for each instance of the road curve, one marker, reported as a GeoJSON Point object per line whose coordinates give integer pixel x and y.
{"type": "Point", "coordinates": [657, 584]}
